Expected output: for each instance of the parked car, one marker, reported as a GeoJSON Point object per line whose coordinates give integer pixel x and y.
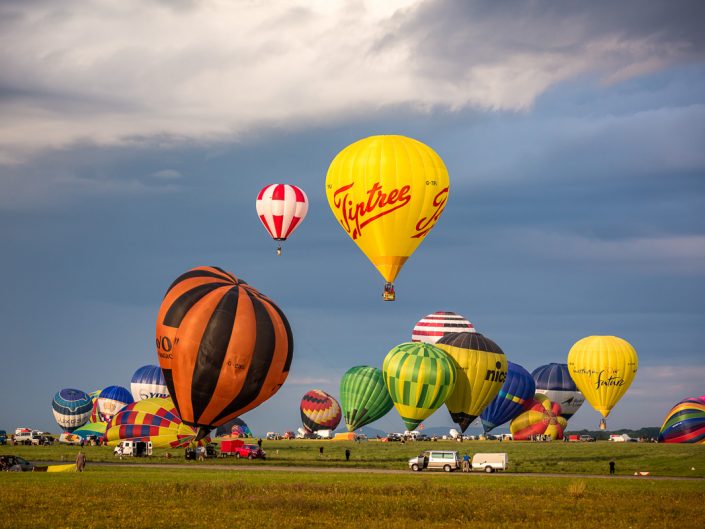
{"type": "Point", "coordinates": [289, 435]}
{"type": "Point", "coordinates": [3, 437]}
{"type": "Point", "coordinates": [26, 436]}
{"type": "Point", "coordinates": [489, 462]}
{"type": "Point", "coordinates": [587, 438]}
{"type": "Point", "coordinates": [15, 464]}
{"type": "Point", "coordinates": [445, 460]}
{"type": "Point", "coordinates": [250, 452]}
{"type": "Point", "coordinates": [273, 436]}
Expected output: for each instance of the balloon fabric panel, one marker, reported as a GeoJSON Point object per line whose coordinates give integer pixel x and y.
{"type": "Point", "coordinates": [517, 391]}
{"type": "Point", "coordinates": [363, 396]}
{"type": "Point", "coordinates": [319, 411]}
{"type": "Point", "coordinates": [433, 327]}
{"type": "Point", "coordinates": [685, 423]}
{"type": "Point", "coordinates": [554, 381]}
{"type": "Point", "coordinates": [281, 208]}
{"type": "Point", "coordinates": [71, 408]}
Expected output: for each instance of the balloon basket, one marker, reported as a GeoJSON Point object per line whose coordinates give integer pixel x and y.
{"type": "Point", "coordinates": [279, 250]}
{"type": "Point", "coordinates": [389, 294]}
{"type": "Point", "coordinates": [603, 424]}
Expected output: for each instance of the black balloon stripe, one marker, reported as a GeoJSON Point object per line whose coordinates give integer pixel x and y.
{"type": "Point", "coordinates": [289, 336]}
{"type": "Point", "coordinates": [185, 301]}
{"type": "Point", "coordinates": [470, 340]}
{"type": "Point", "coordinates": [201, 273]}
{"type": "Point", "coordinates": [212, 350]}
{"type": "Point", "coordinates": [169, 379]}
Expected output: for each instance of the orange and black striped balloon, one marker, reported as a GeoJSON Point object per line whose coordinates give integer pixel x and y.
{"type": "Point", "coordinates": [224, 348]}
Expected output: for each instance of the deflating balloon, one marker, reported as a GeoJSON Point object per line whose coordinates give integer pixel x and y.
{"type": "Point", "coordinates": [542, 417]}
{"type": "Point", "coordinates": [603, 368]}
{"type": "Point", "coordinates": [482, 369]}
{"type": "Point", "coordinates": [224, 347]}
{"type": "Point", "coordinates": [91, 429]}
{"type": "Point", "coordinates": [236, 427]}
{"type": "Point", "coordinates": [554, 381]}
{"type": "Point", "coordinates": [281, 208]}
{"type": "Point", "coordinates": [435, 326]}
{"type": "Point", "coordinates": [154, 420]}
{"type": "Point", "coordinates": [364, 396]}
{"type": "Point", "coordinates": [110, 401]}
{"type": "Point", "coordinates": [148, 382]}
{"type": "Point", "coordinates": [685, 423]}
{"type": "Point", "coordinates": [516, 393]}
{"type": "Point", "coordinates": [387, 193]}
{"type": "Point", "coordinates": [419, 377]}
{"type": "Point", "coordinates": [72, 408]}
{"type": "Point", "coordinates": [319, 411]}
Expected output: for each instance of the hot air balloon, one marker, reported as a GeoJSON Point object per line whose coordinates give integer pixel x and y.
{"type": "Point", "coordinates": [281, 208]}
{"type": "Point", "coordinates": [236, 427]}
{"type": "Point", "coordinates": [110, 401]}
{"type": "Point", "coordinates": [435, 326]}
{"type": "Point", "coordinates": [72, 408]}
{"type": "Point", "coordinates": [482, 369]}
{"type": "Point", "coordinates": [517, 391]}
{"type": "Point", "coordinates": [224, 348]}
{"type": "Point", "coordinates": [364, 396]}
{"type": "Point", "coordinates": [419, 377]}
{"type": "Point", "coordinates": [155, 420]}
{"type": "Point", "coordinates": [319, 411]}
{"type": "Point", "coordinates": [553, 380]}
{"type": "Point", "coordinates": [95, 429]}
{"type": "Point", "coordinates": [148, 382]}
{"type": "Point", "coordinates": [387, 192]}
{"type": "Point", "coordinates": [603, 368]}
{"type": "Point", "coordinates": [685, 423]}
{"type": "Point", "coordinates": [542, 417]}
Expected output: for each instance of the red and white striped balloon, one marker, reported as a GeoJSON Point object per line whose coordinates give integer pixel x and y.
{"type": "Point", "coordinates": [281, 208]}
{"type": "Point", "coordinates": [434, 326]}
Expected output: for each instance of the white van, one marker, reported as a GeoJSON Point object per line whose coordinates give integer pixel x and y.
{"type": "Point", "coordinates": [133, 448]}
{"type": "Point", "coordinates": [26, 436]}
{"type": "Point", "coordinates": [445, 460]}
{"type": "Point", "coordinates": [489, 462]}
{"type": "Point", "coordinates": [325, 434]}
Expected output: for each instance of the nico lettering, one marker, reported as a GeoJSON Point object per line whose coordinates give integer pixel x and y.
{"type": "Point", "coordinates": [355, 216]}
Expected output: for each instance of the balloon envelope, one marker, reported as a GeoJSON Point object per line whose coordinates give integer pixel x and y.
{"type": "Point", "coordinates": [482, 369]}
{"type": "Point", "coordinates": [96, 429]}
{"type": "Point", "coordinates": [110, 401]}
{"type": "Point", "coordinates": [517, 391]}
{"type": "Point", "coordinates": [364, 396]}
{"type": "Point", "coordinates": [236, 427]}
{"type": "Point", "coordinates": [419, 377]}
{"type": "Point", "coordinates": [281, 208]}
{"type": "Point", "coordinates": [71, 408]}
{"type": "Point", "coordinates": [542, 417]}
{"type": "Point", "coordinates": [148, 382]}
{"type": "Point", "coordinates": [435, 326]}
{"type": "Point", "coordinates": [685, 423]}
{"type": "Point", "coordinates": [319, 411]}
{"type": "Point", "coordinates": [554, 381]}
{"type": "Point", "coordinates": [387, 192]}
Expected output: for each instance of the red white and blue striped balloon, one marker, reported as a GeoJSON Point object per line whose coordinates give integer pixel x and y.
{"type": "Point", "coordinates": [281, 208]}
{"type": "Point", "coordinates": [435, 326]}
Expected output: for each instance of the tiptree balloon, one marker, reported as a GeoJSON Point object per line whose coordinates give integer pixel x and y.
{"type": "Point", "coordinates": [387, 193]}
{"type": "Point", "coordinates": [148, 382]}
{"type": "Point", "coordinates": [435, 326]}
{"type": "Point", "coordinates": [419, 377]}
{"type": "Point", "coordinates": [224, 347]}
{"type": "Point", "coordinates": [154, 420]}
{"type": "Point", "coordinates": [542, 417]}
{"type": "Point", "coordinates": [364, 396]}
{"type": "Point", "coordinates": [281, 208]}
{"type": "Point", "coordinates": [517, 391]}
{"type": "Point", "coordinates": [319, 411]}
{"type": "Point", "coordinates": [482, 370]}
{"type": "Point", "coordinates": [603, 368]}
{"type": "Point", "coordinates": [554, 381]}
{"type": "Point", "coordinates": [110, 401]}
{"type": "Point", "coordinates": [72, 408]}
{"type": "Point", "coordinates": [685, 423]}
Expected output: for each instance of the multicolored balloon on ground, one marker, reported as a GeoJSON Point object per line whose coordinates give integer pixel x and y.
{"type": "Point", "coordinates": [482, 370]}
{"type": "Point", "coordinates": [96, 429]}
{"type": "Point", "coordinates": [319, 411]}
{"type": "Point", "coordinates": [603, 368]}
{"type": "Point", "coordinates": [224, 347]}
{"type": "Point", "coordinates": [364, 396]}
{"type": "Point", "coordinates": [281, 208]}
{"type": "Point", "coordinates": [685, 423]}
{"type": "Point", "coordinates": [154, 420]}
{"type": "Point", "coordinates": [110, 401]}
{"type": "Point", "coordinates": [71, 408]}
{"type": "Point", "coordinates": [236, 427]}
{"type": "Point", "coordinates": [387, 193]}
{"type": "Point", "coordinates": [542, 417]}
{"type": "Point", "coordinates": [554, 381]}
{"type": "Point", "coordinates": [148, 382]}
{"type": "Point", "coordinates": [435, 326]}
{"type": "Point", "coordinates": [517, 391]}
{"type": "Point", "coordinates": [419, 377]}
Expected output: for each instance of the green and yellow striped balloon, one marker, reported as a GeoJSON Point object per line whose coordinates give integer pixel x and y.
{"type": "Point", "coordinates": [419, 377]}
{"type": "Point", "coordinates": [363, 396]}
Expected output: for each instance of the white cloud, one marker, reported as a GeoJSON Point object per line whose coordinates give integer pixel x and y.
{"type": "Point", "coordinates": [167, 174]}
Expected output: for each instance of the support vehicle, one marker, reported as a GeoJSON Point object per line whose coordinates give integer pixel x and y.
{"type": "Point", "coordinates": [489, 462]}
{"type": "Point", "coordinates": [445, 460]}
{"type": "Point", "coordinates": [133, 448]}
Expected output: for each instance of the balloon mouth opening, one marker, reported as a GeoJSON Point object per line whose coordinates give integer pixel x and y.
{"type": "Point", "coordinates": [202, 433]}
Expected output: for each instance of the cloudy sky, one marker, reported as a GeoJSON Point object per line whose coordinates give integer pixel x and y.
{"type": "Point", "coordinates": [135, 135]}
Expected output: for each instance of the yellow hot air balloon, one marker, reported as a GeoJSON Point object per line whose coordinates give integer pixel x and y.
{"type": "Point", "coordinates": [603, 368]}
{"type": "Point", "coordinates": [387, 192]}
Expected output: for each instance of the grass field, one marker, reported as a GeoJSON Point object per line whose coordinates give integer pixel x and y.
{"type": "Point", "coordinates": [154, 497]}
{"type": "Point", "coordinates": [556, 457]}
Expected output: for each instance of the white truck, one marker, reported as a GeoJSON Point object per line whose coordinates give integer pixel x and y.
{"type": "Point", "coordinates": [26, 436]}
{"type": "Point", "coordinates": [489, 462]}
{"type": "Point", "coordinates": [325, 434]}
{"type": "Point", "coordinates": [133, 449]}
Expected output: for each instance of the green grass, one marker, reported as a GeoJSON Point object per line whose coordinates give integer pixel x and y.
{"type": "Point", "coordinates": [556, 457]}
{"type": "Point", "coordinates": [155, 497]}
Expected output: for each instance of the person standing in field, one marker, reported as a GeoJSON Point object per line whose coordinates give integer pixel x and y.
{"type": "Point", "coordinates": [347, 454]}
{"type": "Point", "coordinates": [612, 468]}
{"type": "Point", "coordinates": [320, 451]}
{"type": "Point", "coordinates": [80, 461]}
{"type": "Point", "coordinates": [466, 463]}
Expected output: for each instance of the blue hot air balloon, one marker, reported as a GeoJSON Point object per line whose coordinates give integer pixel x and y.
{"type": "Point", "coordinates": [71, 408]}
{"type": "Point", "coordinates": [148, 382]}
{"type": "Point", "coordinates": [110, 401]}
{"type": "Point", "coordinates": [553, 380]}
{"type": "Point", "coordinates": [518, 389]}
